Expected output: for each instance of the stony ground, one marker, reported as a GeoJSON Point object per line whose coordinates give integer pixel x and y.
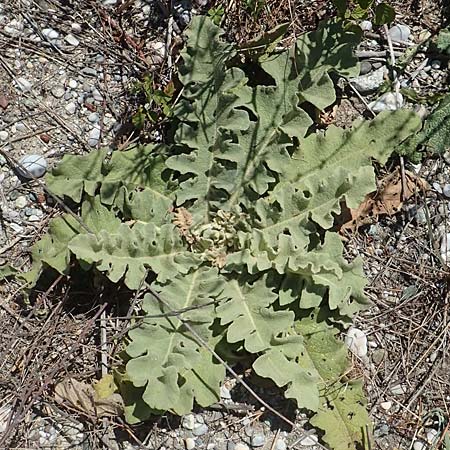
{"type": "Point", "coordinates": [68, 85]}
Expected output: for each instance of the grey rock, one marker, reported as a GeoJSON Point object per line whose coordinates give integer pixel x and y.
{"type": "Point", "coordinates": [94, 137]}
{"type": "Point", "coordinates": [72, 83]}
{"type": "Point", "coordinates": [89, 71]}
{"type": "Point", "coordinates": [389, 101]}
{"type": "Point", "coordinates": [72, 40]}
{"type": "Point", "coordinates": [225, 393]}
{"type": "Point", "coordinates": [199, 429]}
{"type": "Point", "coordinates": [4, 135]}
{"type": "Point", "coordinates": [257, 440]}
{"type": "Point", "coordinates": [309, 440]}
{"type": "Point", "coordinates": [34, 218]}
{"type": "Point", "coordinates": [35, 166]}
{"type": "Point", "coordinates": [68, 95]}
{"type": "Point", "coordinates": [96, 95]}
{"type": "Point", "coordinates": [419, 445]}
{"type": "Point", "coordinates": [99, 59]}
{"type": "Point", "coordinates": [58, 91]}
{"type": "Point", "coordinates": [365, 67]}
{"type": "Point", "coordinates": [421, 217]}
{"type": "Point", "coordinates": [400, 33]}
{"type": "Point", "coordinates": [23, 84]}
{"type": "Point", "coordinates": [446, 190]}
{"type": "Point", "coordinates": [93, 117]}
{"type": "Point", "coordinates": [50, 33]}
{"type": "Point", "coordinates": [369, 82]}
{"type": "Point", "coordinates": [436, 64]}
{"type": "Point", "coordinates": [280, 444]}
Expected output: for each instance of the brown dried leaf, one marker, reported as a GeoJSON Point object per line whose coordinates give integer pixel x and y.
{"type": "Point", "coordinates": [387, 200]}
{"type": "Point", "coordinates": [183, 221]}
{"type": "Point", "coordinates": [84, 398]}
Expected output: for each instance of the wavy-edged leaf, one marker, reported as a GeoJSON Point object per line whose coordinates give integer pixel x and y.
{"type": "Point", "coordinates": [139, 167]}
{"type": "Point", "coordinates": [130, 252]}
{"type": "Point", "coordinates": [342, 414]}
{"type": "Point", "coordinates": [166, 359]}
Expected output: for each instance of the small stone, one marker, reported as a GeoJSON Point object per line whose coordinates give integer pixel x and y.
{"type": "Point", "coordinates": [58, 91]}
{"type": "Point", "coordinates": [50, 33]}
{"type": "Point", "coordinates": [188, 421]}
{"type": "Point", "coordinates": [71, 108]}
{"type": "Point", "coordinates": [421, 216]}
{"type": "Point", "coordinates": [21, 202]}
{"type": "Point", "coordinates": [365, 67]}
{"type": "Point", "coordinates": [97, 96]}
{"type": "Point", "coordinates": [72, 40]}
{"type": "Point", "coordinates": [257, 440]}
{"type": "Point", "coordinates": [241, 446]}
{"type": "Point", "coordinates": [386, 405]}
{"type": "Point", "coordinates": [99, 59]}
{"type": "Point", "coordinates": [309, 440]}
{"type": "Point", "coordinates": [356, 341]}
{"type": "Point", "coordinates": [225, 393]}
{"type": "Point", "coordinates": [94, 137]}
{"type": "Point", "coordinates": [280, 444]}
{"type": "Point", "coordinates": [23, 84]}
{"type": "Point", "coordinates": [76, 27]}
{"type": "Point", "coordinates": [436, 64]}
{"type": "Point", "coordinates": [432, 435]}
{"type": "Point", "coordinates": [93, 117]}
{"type": "Point", "coordinates": [34, 218]}
{"type": "Point", "coordinates": [398, 389]}
{"type": "Point", "coordinates": [190, 443]}
{"type": "Point", "coordinates": [446, 190]}
{"type": "Point", "coordinates": [445, 248]}
{"type": "Point", "coordinates": [36, 166]}
{"type": "Point", "coordinates": [419, 445]}
{"type": "Point", "coordinates": [199, 429]}
{"type": "Point", "coordinates": [89, 71]}
{"type": "Point", "coordinates": [399, 33]}
{"type": "Point", "coordinates": [366, 25]}
{"type": "Point", "coordinates": [3, 135]}
{"type": "Point", "coordinates": [389, 101]}
{"type": "Point", "coordinates": [437, 187]}
{"type": "Point", "coordinates": [72, 84]}
{"type": "Point", "coordinates": [369, 82]}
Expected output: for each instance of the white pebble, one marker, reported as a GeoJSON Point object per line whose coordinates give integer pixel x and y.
{"type": "Point", "coordinates": [400, 33]}
{"type": "Point", "coordinates": [225, 393]}
{"type": "Point", "coordinates": [93, 117]}
{"type": "Point", "coordinates": [386, 405]}
{"type": "Point", "coordinates": [36, 165]}
{"type": "Point", "coordinates": [76, 27]}
{"type": "Point", "coordinates": [72, 84]}
{"type": "Point", "coordinates": [419, 445]}
{"type": "Point", "coordinates": [241, 446]}
{"type": "Point", "coordinates": [50, 33]}
{"type": "Point", "coordinates": [446, 190]}
{"type": "Point", "coordinates": [389, 101]}
{"type": "Point", "coordinates": [97, 96]}
{"type": "Point", "coordinates": [190, 443]}
{"type": "Point", "coordinates": [445, 248]}
{"type": "Point", "coordinates": [72, 40]}
{"type": "Point", "coordinates": [432, 434]}
{"type": "Point", "coordinates": [58, 91]}
{"type": "Point", "coordinates": [310, 440]}
{"type": "Point", "coordinates": [23, 84]}
{"type": "Point", "coordinates": [188, 421]}
{"type": "Point", "coordinates": [3, 135]}
{"type": "Point", "coordinates": [366, 25]}
{"type": "Point", "coordinates": [71, 108]}
{"type": "Point", "coordinates": [356, 341]}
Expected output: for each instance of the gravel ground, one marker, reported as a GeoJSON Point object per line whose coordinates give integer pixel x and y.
{"type": "Point", "coordinates": [68, 71]}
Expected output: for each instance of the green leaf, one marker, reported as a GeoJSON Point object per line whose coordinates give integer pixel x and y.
{"type": "Point", "coordinates": [341, 414]}
{"type": "Point", "coordinates": [166, 359]}
{"type": "Point", "coordinates": [341, 6]}
{"type": "Point", "coordinates": [435, 134]}
{"type": "Point", "coordinates": [384, 14]}
{"type": "Point", "coordinates": [130, 252]}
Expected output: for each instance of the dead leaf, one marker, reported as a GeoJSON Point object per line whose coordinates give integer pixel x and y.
{"type": "Point", "coordinates": [387, 200]}
{"type": "Point", "coordinates": [4, 101]}
{"type": "Point", "coordinates": [84, 398]}
{"type": "Point", "coordinates": [183, 221]}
